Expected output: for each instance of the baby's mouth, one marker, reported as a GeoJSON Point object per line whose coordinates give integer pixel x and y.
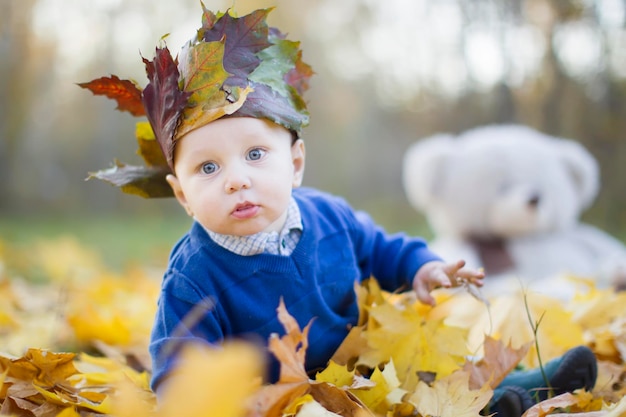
{"type": "Point", "coordinates": [245, 210]}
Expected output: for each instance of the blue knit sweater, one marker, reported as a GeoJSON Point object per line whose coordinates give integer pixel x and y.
{"type": "Point", "coordinates": [338, 247]}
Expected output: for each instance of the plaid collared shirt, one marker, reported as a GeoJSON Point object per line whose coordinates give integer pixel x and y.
{"type": "Point", "coordinates": [275, 243]}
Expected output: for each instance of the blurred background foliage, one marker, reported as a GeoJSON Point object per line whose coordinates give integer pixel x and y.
{"type": "Point", "coordinates": [387, 74]}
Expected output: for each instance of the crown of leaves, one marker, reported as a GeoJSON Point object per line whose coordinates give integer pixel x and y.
{"type": "Point", "coordinates": [233, 67]}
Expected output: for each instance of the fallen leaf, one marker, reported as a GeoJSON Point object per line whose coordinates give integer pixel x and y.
{"type": "Point", "coordinates": [498, 362]}
{"type": "Point", "coordinates": [450, 397]}
{"type": "Point", "coordinates": [219, 381]}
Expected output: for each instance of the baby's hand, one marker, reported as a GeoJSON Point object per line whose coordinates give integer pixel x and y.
{"type": "Point", "coordinates": [438, 274]}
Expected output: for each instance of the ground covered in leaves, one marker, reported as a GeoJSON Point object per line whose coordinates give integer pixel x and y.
{"type": "Point", "coordinates": [74, 335]}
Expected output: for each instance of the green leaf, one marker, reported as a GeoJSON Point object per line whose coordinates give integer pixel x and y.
{"type": "Point", "coordinates": [276, 61]}
{"type": "Point", "coordinates": [203, 76]}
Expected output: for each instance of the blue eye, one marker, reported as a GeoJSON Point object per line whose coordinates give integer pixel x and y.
{"type": "Point", "coordinates": [209, 167]}
{"type": "Point", "coordinates": [256, 154]}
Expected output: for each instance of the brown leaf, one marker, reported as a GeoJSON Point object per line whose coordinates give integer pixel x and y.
{"type": "Point", "coordinates": [338, 401]}
{"type": "Point", "coordinates": [498, 362]}
{"type": "Point", "coordinates": [545, 407]}
{"type": "Point", "coordinates": [290, 349]}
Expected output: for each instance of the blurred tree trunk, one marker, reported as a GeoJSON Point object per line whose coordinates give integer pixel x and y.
{"type": "Point", "coordinates": [15, 87]}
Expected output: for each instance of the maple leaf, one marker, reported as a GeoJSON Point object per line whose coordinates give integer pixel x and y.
{"type": "Point", "coordinates": [204, 75]}
{"type": "Point", "coordinates": [243, 37]}
{"type": "Point", "coordinates": [376, 394]}
{"type": "Point", "coordinates": [41, 377]}
{"type": "Point", "coordinates": [294, 383]}
{"type": "Point", "coordinates": [163, 100]}
{"type": "Point", "coordinates": [290, 349]}
{"type": "Point", "coordinates": [413, 343]}
{"type": "Point", "coordinates": [125, 92]}
{"type": "Point", "coordinates": [257, 56]}
{"type": "Point", "coordinates": [497, 362]}
{"type": "Point", "coordinates": [450, 397]}
{"type": "Point", "coordinates": [148, 182]}
{"type": "Point", "coordinates": [48, 367]}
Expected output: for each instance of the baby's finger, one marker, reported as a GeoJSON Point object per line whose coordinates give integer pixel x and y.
{"type": "Point", "coordinates": [423, 295]}
{"type": "Point", "coordinates": [441, 279]}
{"type": "Point", "coordinates": [452, 268]}
{"type": "Point", "coordinates": [471, 275]}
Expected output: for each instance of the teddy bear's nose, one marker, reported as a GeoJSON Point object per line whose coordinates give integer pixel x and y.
{"type": "Point", "coordinates": [533, 201]}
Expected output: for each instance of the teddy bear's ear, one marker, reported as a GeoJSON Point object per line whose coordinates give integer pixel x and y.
{"type": "Point", "coordinates": [583, 168]}
{"type": "Point", "coordinates": [422, 167]}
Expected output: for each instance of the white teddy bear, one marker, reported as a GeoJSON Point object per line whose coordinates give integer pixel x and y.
{"type": "Point", "coordinates": [508, 198]}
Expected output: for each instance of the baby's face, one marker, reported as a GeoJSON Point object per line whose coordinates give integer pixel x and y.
{"type": "Point", "coordinates": [235, 175]}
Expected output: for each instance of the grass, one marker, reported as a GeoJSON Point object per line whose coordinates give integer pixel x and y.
{"type": "Point", "coordinates": [122, 240]}
{"type": "Point", "coordinates": [119, 241]}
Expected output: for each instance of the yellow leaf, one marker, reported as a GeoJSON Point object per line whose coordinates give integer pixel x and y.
{"type": "Point", "coordinates": [65, 259]}
{"type": "Point", "coordinates": [212, 382]}
{"type": "Point", "coordinates": [95, 401]}
{"type": "Point", "coordinates": [130, 400]}
{"type": "Point", "coordinates": [414, 344]}
{"type": "Point", "coordinates": [450, 397]}
{"type": "Point", "coordinates": [375, 398]}
{"type": "Point", "coordinates": [149, 148]}
{"type": "Point", "coordinates": [297, 405]}
{"type": "Point", "coordinates": [353, 346]}
{"type": "Point", "coordinates": [106, 371]}
{"type": "Point", "coordinates": [508, 320]}
{"type": "Point", "coordinates": [336, 375]}
{"type": "Point", "coordinates": [68, 412]}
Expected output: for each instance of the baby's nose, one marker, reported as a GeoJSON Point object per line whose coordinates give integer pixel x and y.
{"type": "Point", "coordinates": [237, 181]}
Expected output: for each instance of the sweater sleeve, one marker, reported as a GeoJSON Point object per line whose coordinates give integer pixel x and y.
{"type": "Point", "coordinates": [182, 316]}
{"type": "Point", "coordinates": [392, 259]}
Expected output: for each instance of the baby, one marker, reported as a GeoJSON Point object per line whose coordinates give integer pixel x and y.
{"type": "Point", "coordinates": [228, 118]}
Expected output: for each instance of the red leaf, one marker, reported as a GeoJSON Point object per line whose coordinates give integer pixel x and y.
{"type": "Point", "coordinates": [299, 76]}
{"type": "Point", "coordinates": [125, 92]}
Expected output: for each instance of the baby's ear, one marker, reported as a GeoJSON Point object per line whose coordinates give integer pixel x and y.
{"type": "Point", "coordinates": [423, 166]}
{"type": "Point", "coordinates": [178, 192]}
{"type": "Point", "coordinates": [298, 154]}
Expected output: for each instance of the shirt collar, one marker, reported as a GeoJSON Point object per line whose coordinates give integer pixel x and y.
{"type": "Point", "coordinates": [261, 242]}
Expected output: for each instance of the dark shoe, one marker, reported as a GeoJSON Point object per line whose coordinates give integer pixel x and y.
{"type": "Point", "coordinates": [509, 401]}
{"type": "Point", "coordinates": [577, 369]}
